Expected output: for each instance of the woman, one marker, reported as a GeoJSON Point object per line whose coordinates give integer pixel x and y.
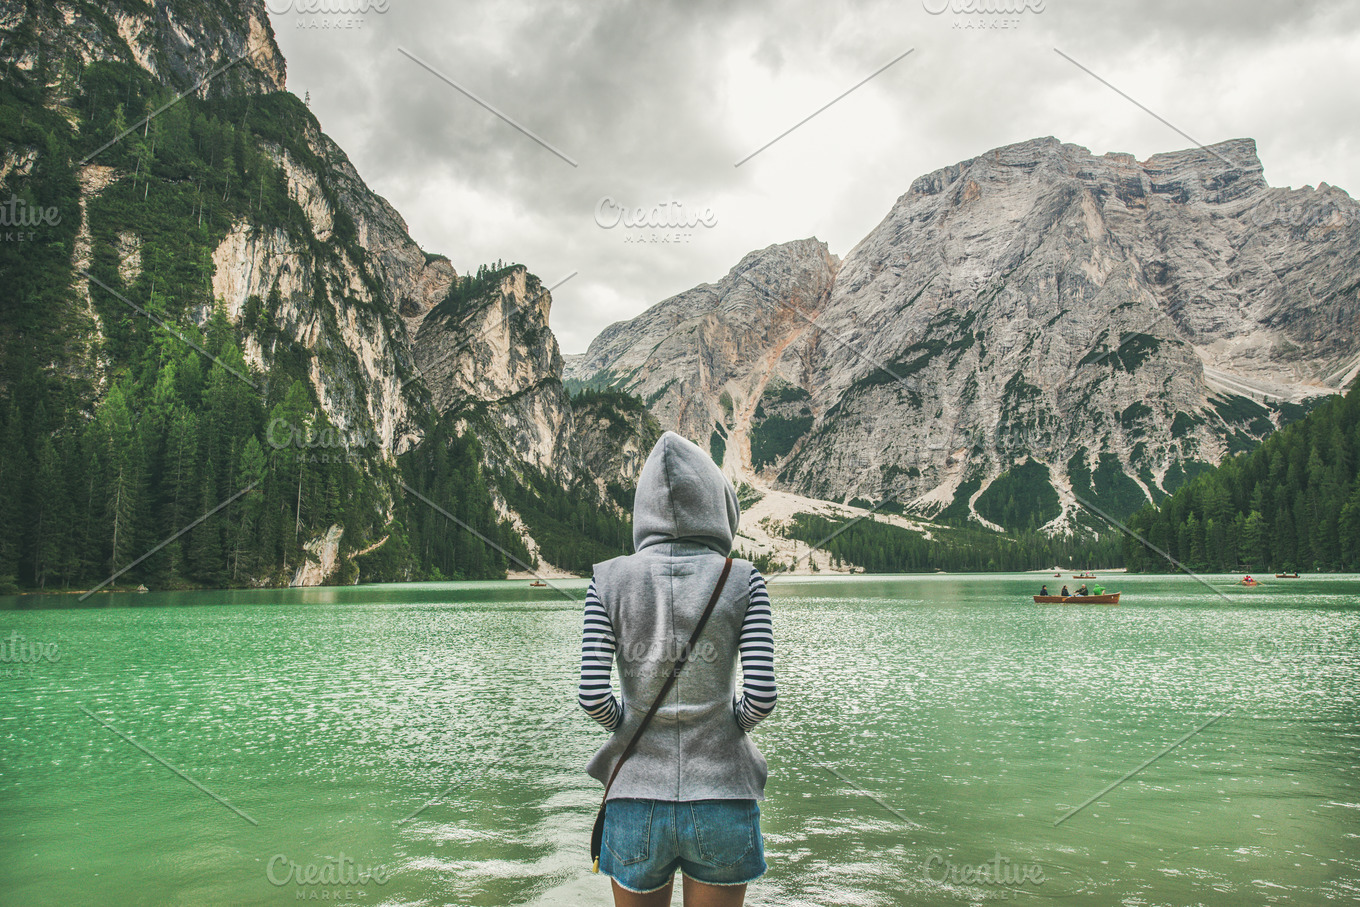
{"type": "Point", "coordinates": [686, 797]}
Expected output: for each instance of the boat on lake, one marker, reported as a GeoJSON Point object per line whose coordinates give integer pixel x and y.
{"type": "Point", "coordinates": [537, 583]}
{"type": "Point", "coordinates": [1087, 575]}
{"type": "Point", "coordinates": [1110, 598]}
{"type": "Point", "coordinates": [1286, 576]}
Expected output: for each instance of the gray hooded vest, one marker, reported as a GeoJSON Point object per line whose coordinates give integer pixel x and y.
{"type": "Point", "coordinates": [684, 519]}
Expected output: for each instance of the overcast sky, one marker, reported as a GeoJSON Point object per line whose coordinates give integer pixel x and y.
{"type": "Point", "coordinates": [656, 102]}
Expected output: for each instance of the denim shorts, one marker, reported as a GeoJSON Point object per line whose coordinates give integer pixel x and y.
{"type": "Point", "coordinates": [716, 842]}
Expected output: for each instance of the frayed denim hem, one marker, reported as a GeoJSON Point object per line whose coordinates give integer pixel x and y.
{"type": "Point", "coordinates": [723, 884]}
{"type": "Point", "coordinates": [688, 876]}
{"type": "Point", "coordinates": [639, 891]}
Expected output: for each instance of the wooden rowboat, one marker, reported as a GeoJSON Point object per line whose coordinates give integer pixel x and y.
{"type": "Point", "coordinates": [1110, 599]}
{"type": "Point", "coordinates": [1286, 576]}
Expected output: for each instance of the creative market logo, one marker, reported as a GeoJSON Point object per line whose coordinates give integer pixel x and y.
{"type": "Point", "coordinates": [998, 875]}
{"type": "Point", "coordinates": [673, 219]}
{"type": "Point", "coordinates": [1323, 216]}
{"type": "Point", "coordinates": [20, 656]}
{"type": "Point", "coordinates": [336, 878]}
{"type": "Point", "coordinates": [326, 14]}
{"type": "Point", "coordinates": [27, 217]}
{"type": "Point", "coordinates": [984, 14]}
{"type": "Point", "coordinates": [309, 444]}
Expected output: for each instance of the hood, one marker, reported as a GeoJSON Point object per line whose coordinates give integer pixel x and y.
{"type": "Point", "coordinates": [681, 494]}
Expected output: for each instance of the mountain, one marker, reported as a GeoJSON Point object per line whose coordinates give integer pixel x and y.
{"type": "Point", "coordinates": [693, 356]}
{"type": "Point", "coordinates": [1292, 504]}
{"type": "Point", "coordinates": [1025, 328]}
{"type": "Point", "coordinates": [210, 312]}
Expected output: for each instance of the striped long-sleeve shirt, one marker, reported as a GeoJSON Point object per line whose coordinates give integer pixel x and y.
{"type": "Point", "coordinates": [598, 645]}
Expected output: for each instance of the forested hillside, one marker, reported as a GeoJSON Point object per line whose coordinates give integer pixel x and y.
{"type": "Point", "coordinates": [881, 547]}
{"type": "Point", "coordinates": [136, 402]}
{"type": "Point", "coordinates": [1291, 504]}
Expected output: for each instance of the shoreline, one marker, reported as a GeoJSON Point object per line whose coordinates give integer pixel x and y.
{"type": "Point", "coordinates": [551, 577]}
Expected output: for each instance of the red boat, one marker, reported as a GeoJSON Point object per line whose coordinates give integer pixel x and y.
{"type": "Point", "coordinates": [1111, 598]}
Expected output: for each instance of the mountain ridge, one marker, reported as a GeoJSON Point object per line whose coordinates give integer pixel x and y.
{"type": "Point", "coordinates": [1034, 304]}
{"type": "Point", "coordinates": [221, 278]}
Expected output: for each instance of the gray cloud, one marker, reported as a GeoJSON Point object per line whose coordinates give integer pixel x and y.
{"type": "Point", "coordinates": [657, 101]}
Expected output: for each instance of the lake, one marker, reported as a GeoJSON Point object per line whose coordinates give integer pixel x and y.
{"type": "Point", "coordinates": [933, 734]}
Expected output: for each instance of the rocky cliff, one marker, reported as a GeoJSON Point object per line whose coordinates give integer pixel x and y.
{"type": "Point", "coordinates": [704, 359]}
{"type": "Point", "coordinates": [224, 50]}
{"type": "Point", "coordinates": [1083, 326]}
{"type": "Point", "coordinates": [494, 359]}
{"type": "Point", "coordinates": [204, 201]}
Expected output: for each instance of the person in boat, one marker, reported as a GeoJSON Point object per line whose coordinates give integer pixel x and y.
{"type": "Point", "coordinates": [1097, 590]}
{"type": "Point", "coordinates": [1044, 590]}
{"type": "Point", "coordinates": [1081, 590]}
{"type": "Point", "coordinates": [1065, 593]}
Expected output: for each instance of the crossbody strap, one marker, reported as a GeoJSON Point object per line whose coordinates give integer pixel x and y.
{"type": "Point", "coordinates": [670, 678]}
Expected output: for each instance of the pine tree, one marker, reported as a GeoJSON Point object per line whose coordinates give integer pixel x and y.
{"type": "Point", "coordinates": [245, 513]}
{"type": "Point", "coordinates": [181, 480]}
{"type": "Point", "coordinates": [51, 517]}
{"type": "Point", "coordinates": [120, 457]}
{"type": "Point", "coordinates": [1295, 492]}
{"type": "Point", "coordinates": [14, 471]}
{"type": "Point", "coordinates": [206, 562]}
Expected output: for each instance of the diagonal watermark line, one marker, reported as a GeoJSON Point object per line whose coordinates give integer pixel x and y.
{"type": "Point", "coordinates": [439, 75]}
{"type": "Point", "coordinates": [510, 556]}
{"type": "Point", "coordinates": [814, 113]}
{"type": "Point", "coordinates": [491, 327]}
{"type": "Point", "coordinates": [528, 569]}
{"type": "Point", "coordinates": [811, 548]}
{"type": "Point", "coordinates": [859, 788]}
{"type": "Point", "coordinates": [176, 771]}
{"type": "Point", "coordinates": [867, 358]}
{"type": "Point", "coordinates": [431, 802]}
{"type": "Point", "coordinates": [548, 726]}
{"type": "Point", "coordinates": [1115, 348]}
{"type": "Point", "coordinates": [1148, 111]}
{"type": "Point", "coordinates": [141, 311]}
{"type": "Point", "coordinates": [123, 570]}
{"type": "Point", "coordinates": [1118, 524]}
{"type": "Point", "coordinates": [171, 103]}
{"type": "Point", "coordinates": [1078, 809]}
{"type": "Point", "coordinates": [830, 333]}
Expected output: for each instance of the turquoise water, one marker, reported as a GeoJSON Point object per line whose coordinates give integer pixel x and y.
{"type": "Point", "coordinates": [926, 726]}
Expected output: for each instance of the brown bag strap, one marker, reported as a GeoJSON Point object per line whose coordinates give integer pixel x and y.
{"type": "Point", "coordinates": [670, 678]}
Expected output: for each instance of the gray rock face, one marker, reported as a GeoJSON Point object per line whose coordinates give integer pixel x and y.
{"type": "Point", "coordinates": [702, 359]}
{"type": "Point", "coordinates": [179, 44]}
{"type": "Point", "coordinates": [388, 332]}
{"type": "Point", "coordinates": [611, 444]}
{"type": "Point", "coordinates": [1104, 317]}
{"type": "Point", "coordinates": [494, 360]}
{"type": "Point", "coordinates": [367, 385]}
{"type": "Point", "coordinates": [493, 363]}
